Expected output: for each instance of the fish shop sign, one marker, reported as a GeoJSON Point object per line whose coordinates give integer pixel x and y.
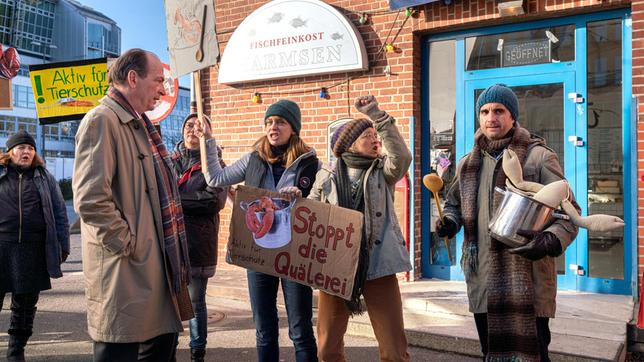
{"type": "Point", "coordinates": [289, 38]}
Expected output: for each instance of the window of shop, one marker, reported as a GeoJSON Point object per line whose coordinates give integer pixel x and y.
{"type": "Point", "coordinates": [536, 46]}
{"type": "Point", "coordinates": [442, 127]}
{"type": "Point", "coordinates": [605, 172]}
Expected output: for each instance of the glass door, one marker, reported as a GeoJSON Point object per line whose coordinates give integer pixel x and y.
{"type": "Point", "coordinates": [545, 109]}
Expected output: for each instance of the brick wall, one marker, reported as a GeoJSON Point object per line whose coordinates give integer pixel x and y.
{"type": "Point", "coordinates": [238, 122]}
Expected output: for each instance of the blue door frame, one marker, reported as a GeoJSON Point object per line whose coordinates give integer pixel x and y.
{"type": "Point", "coordinates": [573, 75]}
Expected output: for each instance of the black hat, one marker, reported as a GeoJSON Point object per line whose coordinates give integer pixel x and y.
{"type": "Point", "coordinates": [22, 137]}
{"type": "Point", "coordinates": [288, 110]}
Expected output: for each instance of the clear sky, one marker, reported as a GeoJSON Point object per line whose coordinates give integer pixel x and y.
{"type": "Point", "coordinates": [142, 24]}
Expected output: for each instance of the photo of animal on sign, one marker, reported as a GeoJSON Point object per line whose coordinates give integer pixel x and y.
{"type": "Point", "coordinates": [305, 241]}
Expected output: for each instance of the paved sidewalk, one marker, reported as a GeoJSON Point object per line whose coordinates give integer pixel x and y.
{"type": "Point", "coordinates": [588, 327]}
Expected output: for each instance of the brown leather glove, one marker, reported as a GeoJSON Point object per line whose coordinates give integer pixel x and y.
{"type": "Point", "coordinates": [541, 244]}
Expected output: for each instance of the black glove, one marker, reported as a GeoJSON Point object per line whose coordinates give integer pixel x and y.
{"type": "Point", "coordinates": [63, 256]}
{"type": "Point", "coordinates": [446, 227]}
{"type": "Point", "coordinates": [541, 244]}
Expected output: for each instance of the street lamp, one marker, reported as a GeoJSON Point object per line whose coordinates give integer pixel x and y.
{"type": "Point", "coordinates": [42, 127]}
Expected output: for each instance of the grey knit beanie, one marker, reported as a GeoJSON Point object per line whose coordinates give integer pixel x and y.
{"type": "Point", "coordinates": [288, 110]}
{"type": "Point", "coordinates": [499, 93]}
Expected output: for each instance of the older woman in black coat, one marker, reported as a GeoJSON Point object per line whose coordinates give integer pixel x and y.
{"type": "Point", "coordinates": [34, 237]}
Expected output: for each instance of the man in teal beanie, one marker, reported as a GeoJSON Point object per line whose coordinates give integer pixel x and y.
{"type": "Point", "coordinates": [288, 110]}
{"type": "Point", "coordinates": [511, 291]}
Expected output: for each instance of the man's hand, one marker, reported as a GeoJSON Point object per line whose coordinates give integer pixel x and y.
{"type": "Point", "coordinates": [446, 227]}
{"type": "Point", "coordinates": [202, 129]}
{"type": "Point", "coordinates": [541, 244]}
{"type": "Point", "coordinates": [368, 105]}
{"type": "Point", "coordinates": [290, 192]}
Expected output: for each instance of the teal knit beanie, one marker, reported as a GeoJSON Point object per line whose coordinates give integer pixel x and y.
{"type": "Point", "coordinates": [499, 93]}
{"type": "Point", "coordinates": [288, 110]}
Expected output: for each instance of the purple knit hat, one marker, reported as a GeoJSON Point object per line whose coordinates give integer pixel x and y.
{"type": "Point", "coordinates": [347, 134]}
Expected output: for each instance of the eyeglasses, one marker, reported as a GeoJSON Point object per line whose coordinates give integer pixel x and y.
{"type": "Point", "coordinates": [190, 125]}
{"type": "Point", "coordinates": [371, 135]}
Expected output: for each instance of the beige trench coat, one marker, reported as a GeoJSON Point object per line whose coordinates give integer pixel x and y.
{"type": "Point", "coordinates": [115, 194]}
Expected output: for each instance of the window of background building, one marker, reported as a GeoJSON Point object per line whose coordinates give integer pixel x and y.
{"type": "Point", "coordinates": [28, 124]}
{"type": "Point", "coordinates": [23, 97]}
{"type": "Point", "coordinates": [7, 126]}
{"type": "Point", "coordinates": [51, 132]}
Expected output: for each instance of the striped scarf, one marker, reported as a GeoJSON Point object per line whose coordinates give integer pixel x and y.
{"type": "Point", "coordinates": [174, 235]}
{"type": "Point", "coordinates": [512, 334]}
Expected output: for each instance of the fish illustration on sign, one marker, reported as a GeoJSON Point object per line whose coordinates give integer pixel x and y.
{"type": "Point", "coordinates": [276, 18]}
{"type": "Point", "coordinates": [298, 23]}
{"type": "Point", "coordinates": [337, 36]}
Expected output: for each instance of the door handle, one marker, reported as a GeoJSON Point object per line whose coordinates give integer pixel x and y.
{"type": "Point", "coordinates": [576, 141]}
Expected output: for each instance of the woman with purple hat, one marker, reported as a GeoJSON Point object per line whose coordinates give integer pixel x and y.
{"type": "Point", "coordinates": [279, 161]}
{"type": "Point", "coordinates": [363, 179]}
{"type": "Point", "coordinates": [34, 236]}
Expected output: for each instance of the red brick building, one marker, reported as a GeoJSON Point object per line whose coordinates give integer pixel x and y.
{"type": "Point", "coordinates": [572, 63]}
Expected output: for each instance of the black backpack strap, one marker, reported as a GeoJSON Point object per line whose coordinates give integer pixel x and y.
{"type": "Point", "coordinates": [305, 175]}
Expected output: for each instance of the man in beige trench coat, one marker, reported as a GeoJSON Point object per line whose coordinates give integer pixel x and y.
{"type": "Point", "coordinates": [134, 249]}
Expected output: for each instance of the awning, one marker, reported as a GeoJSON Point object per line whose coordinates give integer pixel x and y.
{"type": "Point", "coordinates": [398, 4]}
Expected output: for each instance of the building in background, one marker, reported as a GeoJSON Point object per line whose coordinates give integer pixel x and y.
{"type": "Point", "coordinates": [171, 125]}
{"type": "Point", "coordinates": [45, 31]}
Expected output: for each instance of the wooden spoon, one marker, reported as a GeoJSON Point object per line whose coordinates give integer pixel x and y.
{"type": "Point", "coordinates": [434, 183]}
{"type": "Point", "coordinates": [199, 55]}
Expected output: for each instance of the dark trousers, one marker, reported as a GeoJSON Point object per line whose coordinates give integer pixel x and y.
{"type": "Point", "coordinates": [543, 334]}
{"type": "Point", "coordinates": [158, 349]}
{"type": "Point", "coordinates": [23, 312]}
{"type": "Point", "coordinates": [299, 310]}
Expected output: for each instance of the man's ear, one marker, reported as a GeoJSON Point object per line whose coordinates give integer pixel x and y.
{"type": "Point", "coordinates": [132, 78]}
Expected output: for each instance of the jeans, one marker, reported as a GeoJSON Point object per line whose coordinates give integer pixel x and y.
{"type": "Point", "coordinates": [158, 349]}
{"type": "Point", "coordinates": [197, 289]}
{"type": "Point", "coordinates": [299, 309]}
{"type": "Point", "coordinates": [23, 312]}
{"type": "Point", "coordinates": [543, 334]}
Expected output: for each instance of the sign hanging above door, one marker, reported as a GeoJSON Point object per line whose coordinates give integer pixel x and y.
{"type": "Point", "coordinates": [525, 53]}
{"type": "Point", "coordinates": [288, 38]}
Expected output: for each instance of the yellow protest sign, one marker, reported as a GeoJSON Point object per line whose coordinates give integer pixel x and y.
{"type": "Point", "coordinates": [67, 90]}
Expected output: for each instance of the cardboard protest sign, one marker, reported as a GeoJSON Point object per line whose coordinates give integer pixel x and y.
{"type": "Point", "coordinates": [5, 94]}
{"type": "Point", "coordinates": [305, 241]}
{"type": "Point", "coordinates": [68, 90]}
{"type": "Point", "coordinates": [192, 39]}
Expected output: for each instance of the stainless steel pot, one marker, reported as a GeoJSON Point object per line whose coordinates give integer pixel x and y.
{"type": "Point", "coordinates": [519, 212]}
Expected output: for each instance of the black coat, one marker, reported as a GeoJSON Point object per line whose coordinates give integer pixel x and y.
{"type": "Point", "coordinates": [34, 230]}
{"type": "Point", "coordinates": [201, 205]}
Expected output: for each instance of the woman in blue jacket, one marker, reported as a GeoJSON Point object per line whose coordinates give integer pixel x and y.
{"type": "Point", "coordinates": [34, 236]}
{"type": "Point", "coordinates": [280, 161]}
